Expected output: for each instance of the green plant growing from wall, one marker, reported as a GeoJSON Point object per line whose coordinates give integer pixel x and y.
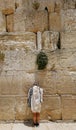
{"type": "Point", "coordinates": [35, 5]}
{"type": "Point", "coordinates": [2, 56]}
{"type": "Point", "coordinates": [42, 60]}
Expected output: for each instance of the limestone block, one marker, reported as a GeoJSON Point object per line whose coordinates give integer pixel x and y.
{"type": "Point", "coordinates": [68, 18]}
{"type": "Point", "coordinates": [8, 11]}
{"type": "Point", "coordinates": [50, 40]}
{"type": "Point", "coordinates": [70, 4]}
{"type": "Point", "coordinates": [10, 85]}
{"type": "Point", "coordinates": [2, 23]}
{"type": "Point", "coordinates": [58, 6]}
{"type": "Point", "coordinates": [21, 3]}
{"type": "Point", "coordinates": [7, 4]}
{"type": "Point", "coordinates": [22, 110]}
{"type": "Point", "coordinates": [19, 20]}
{"type": "Point", "coordinates": [48, 81]}
{"type": "Point", "coordinates": [16, 41]}
{"type": "Point", "coordinates": [24, 21]}
{"type": "Point", "coordinates": [19, 27]}
{"type": "Point", "coordinates": [18, 3]}
{"type": "Point", "coordinates": [16, 84]}
{"type": "Point", "coordinates": [19, 60]}
{"type": "Point", "coordinates": [65, 83]}
{"type": "Point", "coordinates": [40, 5]}
{"type": "Point", "coordinates": [69, 107]}
{"type": "Point", "coordinates": [36, 21]}
{"type": "Point", "coordinates": [7, 108]}
{"type": "Point", "coordinates": [55, 115]}
{"type": "Point", "coordinates": [54, 103]}
{"type": "Point", "coordinates": [55, 22]}
{"type": "Point", "coordinates": [68, 40]}
{"type": "Point", "coordinates": [10, 23]}
{"type": "Point", "coordinates": [39, 40]}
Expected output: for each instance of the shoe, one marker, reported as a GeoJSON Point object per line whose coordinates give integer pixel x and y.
{"type": "Point", "coordinates": [37, 124]}
{"type": "Point", "coordinates": [34, 124]}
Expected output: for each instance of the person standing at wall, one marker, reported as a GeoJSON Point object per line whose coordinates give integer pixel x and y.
{"type": "Point", "coordinates": [35, 98]}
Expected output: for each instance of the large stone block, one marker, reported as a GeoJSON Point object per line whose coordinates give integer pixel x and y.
{"type": "Point", "coordinates": [16, 84]}
{"type": "Point", "coordinates": [10, 85]}
{"type": "Point", "coordinates": [39, 41]}
{"type": "Point", "coordinates": [30, 21]}
{"type": "Point", "coordinates": [68, 40]}
{"type": "Point", "coordinates": [58, 6]}
{"type": "Point", "coordinates": [22, 111]}
{"type": "Point", "coordinates": [50, 40]}
{"type": "Point", "coordinates": [16, 41]}
{"type": "Point", "coordinates": [7, 108]}
{"type": "Point", "coordinates": [19, 61]}
{"type": "Point", "coordinates": [69, 4]}
{"type": "Point", "coordinates": [47, 81]}
{"type": "Point", "coordinates": [69, 107]}
{"type": "Point", "coordinates": [10, 23]}
{"type": "Point", "coordinates": [68, 20]}
{"type": "Point", "coordinates": [2, 23]}
{"type": "Point", "coordinates": [8, 11]}
{"type": "Point", "coordinates": [22, 4]}
{"type": "Point", "coordinates": [54, 104]}
{"type": "Point", "coordinates": [19, 20]}
{"type": "Point", "coordinates": [36, 21]}
{"type": "Point", "coordinates": [40, 5]}
{"type": "Point", "coordinates": [55, 22]}
{"type": "Point", "coordinates": [7, 4]}
{"type": "Point", "coordinates": [64, 83]}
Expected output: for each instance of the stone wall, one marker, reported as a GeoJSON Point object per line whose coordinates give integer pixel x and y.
{"type": "Point", "coordinates": [26, 27]}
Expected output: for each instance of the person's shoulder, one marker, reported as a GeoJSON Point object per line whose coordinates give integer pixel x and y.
{"type": "Point", "coordinates": [30, 89]}
{"type": "Point", "coordinates": [41, 89]}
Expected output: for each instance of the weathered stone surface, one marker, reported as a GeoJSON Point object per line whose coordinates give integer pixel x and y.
{"type": "Point", "coordinates": [55, 114]}
{"type": "Point", "coordinates": [8, 11]}
{"type": "Point", "coordinates": [69, 4]}
{"type": "Point", "coordinates": [68, 40]}
{"type": "Point", "coordinates": [39, 40]}
{"type": "Point", "coordinates": [7, 4]}
{"type": "Point", "coordinates": [19, 3]}
{"type": "Point", "coordinates": [65, 83]}
{"type": "Point", "coordinates": [10, 23]}
{"type": "Point", "coordinates": [2, 23]}
{"type": "Point", "coordinates": [47, 81]}
{"type": "Point", "coordinates": [54, 103]}
{"type": "Point", "coordinates": [21, 110]}
{"type": "Point", "coordinates": [17, 41]}
{"type": "Point", "coordinates": [19, 20]}
{"type": "Point", "coordinates": [16, 84]}
{"type": "Point", "coordinates": [22, 3]}
{"type": "Point", "coordinates": [58, 6]}
{"type": "Point", "coordinates": [7, 108]}
{"type": "Point", "coordinates": [30, 21]}
{"type": "Point", "coordinates": [68, 20]}
{"type": "Point", "coordinates": [19, 60]}
{"type": "Point", "coordinates": [68, 107]}
{"type": "Point", "coordinates": [50, 40]}
{"type": "Point", "coordinates": [10, 85]}
{"type": "Point", "coordinates": [36, 21]}
{"type": "Point", "coordinates": [41, 5]}
{"type": "Point", "coordinates": [55, 22]}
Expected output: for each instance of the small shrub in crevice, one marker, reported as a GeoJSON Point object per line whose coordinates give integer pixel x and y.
{"type": "Point", "coordinates": [42, 60]}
